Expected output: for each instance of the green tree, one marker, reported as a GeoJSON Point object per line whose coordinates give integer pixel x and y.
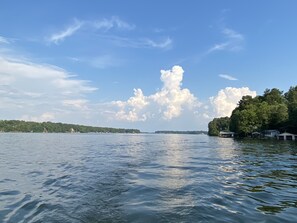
{"type": "Point", "coordinates": [274, 96]}
{"type": "Point", "coordinates": [291, 97]}
{"type": "Point", "coordinates": [245, 121]}
{"type": "Point", "coordinates": [278, 116]}
{"type": "Point", "coordinates": [217, 125]}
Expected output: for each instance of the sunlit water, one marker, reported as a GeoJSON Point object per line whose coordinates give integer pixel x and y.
{"type": "Point", "coordinates": [145, 178]}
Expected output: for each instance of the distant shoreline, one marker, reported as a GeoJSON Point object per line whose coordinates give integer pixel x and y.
{"type": "Point", "coordinates": [18, 126]}
{"type": "Point", "coordinates": [182, 132]}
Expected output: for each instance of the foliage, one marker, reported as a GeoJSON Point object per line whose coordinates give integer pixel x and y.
{"type": "Point", "coordinates": [23, 126]}
{"type": "Point", "coordinates": [291, 97]}
{"type": "Point", "coordinates": [217, 125]}
{"type": "Point", "coordinates": [272, 110]}
{"type": "Point", "coordinates": [269, 111]}
{"type": "Point", "coordinates": [181, 132]}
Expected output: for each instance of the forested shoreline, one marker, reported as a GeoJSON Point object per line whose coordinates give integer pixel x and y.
{"type": "Point", "coordinates": [50, 127]}
{"type": "Point", "coordinates": [272, 110]}
{"type": "Point", "coordinates": [181, 132]}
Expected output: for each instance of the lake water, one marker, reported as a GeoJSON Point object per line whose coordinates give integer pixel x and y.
{"type": "Point", "coordinates": [145, 178]}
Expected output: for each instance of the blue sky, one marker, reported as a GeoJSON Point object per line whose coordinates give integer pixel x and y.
{"type": "Point", "coordinates": [152, 65]}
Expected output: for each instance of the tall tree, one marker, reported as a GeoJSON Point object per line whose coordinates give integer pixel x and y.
{"type": "Point", "coordinates": [291, 97]}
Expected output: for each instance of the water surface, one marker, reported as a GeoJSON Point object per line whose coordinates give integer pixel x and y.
{"type": "Point", "coordinates": [145, 178]}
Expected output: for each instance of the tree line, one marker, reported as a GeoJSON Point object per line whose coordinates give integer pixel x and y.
{"type": "Point", "coordinates": [24, 126]}
{"type": "Point", "coordinates": [272, 110]}
{"type": "Point", "coordinates": [181, 132]}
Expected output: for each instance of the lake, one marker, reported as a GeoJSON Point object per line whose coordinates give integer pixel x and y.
{"type": "Point", "coordinates": [145, 178]}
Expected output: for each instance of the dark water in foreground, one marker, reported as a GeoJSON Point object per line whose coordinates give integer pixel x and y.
{"type": "Point", "coordinates": [145, 178]}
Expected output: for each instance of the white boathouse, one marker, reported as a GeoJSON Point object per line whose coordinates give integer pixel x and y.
{"type": "Point", "coordinates": [287, 136]}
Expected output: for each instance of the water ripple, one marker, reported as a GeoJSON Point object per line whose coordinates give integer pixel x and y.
{"type": "Point", "coordinates": [145, 178]}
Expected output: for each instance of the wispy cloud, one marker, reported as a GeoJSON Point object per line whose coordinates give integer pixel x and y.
{"type": "Point", "coordinates": [101, 61]}
{"type": "Point", "coordinates": [231, 34]}
{"type": "Point", "coordinates": [4, 40]}
{"type": "Point", "coordinates": [103, 24]}
{"type": "Point", "coordinates": [108, 24]}
{"type": "Point", "coordinates": [233, 41]}
{"type": "Point", "coordinates": [69, 31]}
{"type": "Point", "coordinates": [165, 43]}
{"type": "Point", "coordinates": [228, 77]}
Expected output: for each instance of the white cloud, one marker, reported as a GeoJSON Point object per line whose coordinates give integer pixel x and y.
{"type": "Point", "coordinates": [103, 24]}
{"type": "Point", "coordinates": [69, 31]}
{"type": "Point", "coordinates": [219, 46]}
{"type": "Point", "coordinates": [45, 117]}
{"type": "Point", "coordinates": [114, 22]}
{"type": "Point", "coordinates": [130, 110]}
{"type": "Point", "coordinates": [40, 92]}
{"type": "Point", "coordinates": [172, 97]}
{"type": "Point", "coordinates": [228, 77]}
{"type": "Point", "coordinates": [165, 43]}
{"type": "Point", "coordinates": [4, 40]}
{"type": "Point", "coordinates": [108, 25]}
{"type": "Point", "coordinates": [227, 99]}
{"type": "Point", "coordinates": [80, 104]}
{"type": "Point", "coordinates": [37, 89]}
{"type": "Point", "coordinates": [231, 34]}
{"type": "Point", "coordinates": [233, 41]}
{"type": "Point", "coordinates": [15, 71]}
{"type": "Point", "coordinates": [169, 102]}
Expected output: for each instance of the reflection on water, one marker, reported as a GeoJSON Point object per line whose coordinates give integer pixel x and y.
{"type": "Point", "coordinates": [176, 174]}
{"type": "Point", "coordinates": [146, 178]}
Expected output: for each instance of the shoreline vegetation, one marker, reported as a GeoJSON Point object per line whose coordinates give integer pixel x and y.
{"type": "Point", "coordinates": [272, 111]}
{"type": "Point", "coordinates": [51, 127]}
{"type": "Point", "coordinates": [182, 132]}
{"type": "Point", "coordinates": [20, 126]}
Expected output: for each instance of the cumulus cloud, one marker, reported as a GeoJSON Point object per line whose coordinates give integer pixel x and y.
{"type": "Point", "coordinates": [233, 41]}
{"type": "Point", "coordinates": [227, 99]}
{"type": "Point", "coordinates": [132, 109]}
{"type": "Point", "coordinates": [228, 77]}
{"type": "Point", "coordinates": [168, 103]}
{"type": "Point", "coordinates": [40, 92]}
{"type": "Point", "coordinates": [172, 97]}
